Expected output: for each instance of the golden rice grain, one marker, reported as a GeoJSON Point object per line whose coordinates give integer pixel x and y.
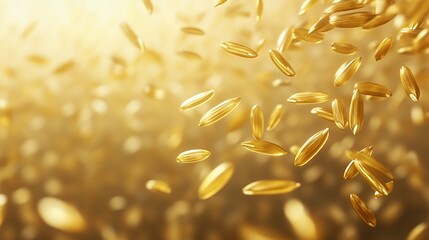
{"type": "Point", "coordinates": [372, 163]}
{"type": "Point", "coordinates": [220, 2]}
{"type": "Point", "coordinates": [215, 180]}
{"type": "Point", "coordinates": [275, 117]}
{"type": "Point", "coordinates": [371, 178]}
{"type": "Point", "coordinates": [132, 36]}
{"type": "Point", "coordinates": [323, 114]}
{"type": "Point", "coordinates": [158, 186]}
{"type": "Point", "coordinates": [311, 147]}
{"type": "Point", "coordinates": [421, 41]}
{"type": "Point", "coordinates": [64, 67]}
{"type": "Point", "coordinates": [189, 55]}
{"type": "Point", "coordinates": [239, 50]}
{"type": "Point", "coordinates": [308, 98]}
{"type": "Point", "coordinates": [373, 89]}
{"type": "Point", "coordinates": [303, 34]}
{"type": "Point", "coordinates": [362, 210]}
{"type": "Point", "coordinates": [350, 171]}
{"type": "Point", "coordinates": [339, 113]}
{"type": "Point", "coordinates": [419, 232]}
{"type": "Point", "coordinates": [382, 19]}
{"type": "Point", "coordinates": [294, 149]}
{"type": "Point", "coordinates": [61, 215]}
{"type": "Point", "coordinates": [196, 100]}
{"type": "Point", "coordinates": [219, 111]}
{"type": "Point", "coordinates": [264, 147]}
{"type": "Point", "coordinates": [409, 83]}
{"type": "Point", "coordinates": [306, 5]}
{"type": "Point", "coordinates": [406, 50]}
{"type": "Point", "coordinates": [192, 30]}
{"type": "Point", "coordinates": [367, 150]}
{"type": "Point", "coordinates": [148, 5]}
{"type": "Point", "coordinates": [257, 122]}
{"type": "Point", "coordinates": [389, 186]}
{"type": "Point", "coordinates": [340, 6]}
{"type": "Point", "coordinates": [270, 187]}
{"type": "Point", "coordinates": [351, 20]}
{"type": "Point", "coordinates": [192, 156]}
{"type": "Point", "coordinates": [346, 71]}
{"type": "Point", "coordinates": [344, 48]}
{"type": "Point", "coordinates": [321, 25]}
{"type": "Point", "coordinates": [281, 63]}
{"type": "Point", "coordinates": [356, 112]}
{"type": "Point", "coordinates": [259, 10]}
{"type": "Point", "coordinates": [285, 39]}
{"type": "Point", "coordinates": [383, 48]}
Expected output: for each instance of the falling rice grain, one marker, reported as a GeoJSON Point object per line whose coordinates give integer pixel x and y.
{"type": "Point", "coordinates": [215, 180]}
{"type": "Point", "coordinates": [409, 83]}
{"type": "Point", "coordinates": [259, 10]}
{"type": "Point", "coordinates": [281, 63]}
{"type": "Point", "coordinates": [362, 210]}
{"type": "Point", "coordinates": [351, 20]}
{"type": "Point", "coordinates": [373, 89]}
{"type": "Point", "coordinates": [194, 155]}
{"type": "Point", "coordinates": [311, 147]}
{"type": "Point", "coordinates": [132, 36]}
{"type": "Point", "coordinates": [304, 35]}
{"type": "Point", "coordinates": [148, 5]}
{"type": "Point", "coordinates": [270, 187]}
{"type": "Point", "coordinates": [306, 5]}
{"type": "Point", "coordinates": [346, 71]}
{"type": "Point", "coordinates": [421, 42]}
{"type": "Point", "coordinates": [308, 98]}
{"type": "Point", "coordinates": [257, 122]}
{"type": "Point", "coordinates": [371, 178]}
{"type": "Point", "coordinates": [189, 55]}
{"type": "Point", "coordinates": [389, 186]}
{"type": "Point", "coordinates": [196, 100]}
{"type": "Point", "coordinates": [344, 48]}
{"type": "Point", "coordinates": [275, 117]}
{"type": "Point", "coordinates": [350, 171]}
{"type": "Point", "coordinates": [219, 111]}
{"type": "Point", "coordinates": [383, 18]}
{"type": "Point", "coordinates": [383, 48]}
{"type": "Point", "coordinates": [220, 2]}
{"type": "Point", "coordinates": [372, 163]}
{"type": "Point", "coordinates": [158, 186]}
{"type": "Point", "coordinates": [341, 6]}
{"type": "Point", "coordinates": [323, 114]}
{"type": "Point", "coordinates": [419, 232]}
{"type": "Point", "coordinates": [339, 113]}
{"type": "Point", "coordinates": [239, 49]}
{"type": "Point", "coordinates": [321, 25]}
{"type": "Point", "coordinates": [192, 30]}
{"type": "Point", "coordinates": [356, 112]}
{"type": "Point", "coordinates": [264, 147]}
{"type": "Point", "coordinates": [285, 39]}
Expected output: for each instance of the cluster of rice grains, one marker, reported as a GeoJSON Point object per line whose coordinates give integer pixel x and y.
{"type": "Point", "coordinates": [264, 104]}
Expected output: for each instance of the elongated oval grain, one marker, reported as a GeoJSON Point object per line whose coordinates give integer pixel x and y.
{"type": "Point", "coordinates": [148, 5]}
{"type": "Point", "coordinates": [389, 186]}
{"type": "Point", "coordinates": [275, 117]}
{"type": "Point", "coordinates": [409, 83]}
{"type": "Point", "coordinates": [344, 48]}
{"type": "Point", "coordinates": [239, 49]}
{"type": "Point", "coordinates": [373, 89]}
{"type": "Point", "coordinates": [421, 41]}
{"type": "Point", "coordinates": [61, 215]}
{"type": "Point", "coordinates": [351, 20]}
{"type": "Point", "coordinates": [304, 35]}
{"type": "Point", "coordinates": [362, 210]}
{"type": "Point", "coordinates": [419, 232]}
{"type": "Point", "coordinates": [350, 171]}
{"type": "Point", "coordinates": [341, 6]}
{"type": "Point", "coordinates": [132, 36]}
{"type": "Point", "coordinates": [373, 164]}
{"type": "Point", "coordinates": [356, 112]}
{"type": "Point", "coordinates": [383, 48]}
{"type": "Point", "coordinates": [281, 63]}
{"type": "Point", "coordinates": [194, 155]}
{"type": "Point", "coordinates": [192, 30]}
{"type": "Point", "coordinates": [196, 100]}
{"type": "Point", "coordinates": [189, 55]}
{"type": "Point", "coordinates": [346, 71]}
{"type": "Point", "coordinates": [215, 180]}
{"type": "Point", "coordinates": [158, 186]}
{"type": "Point", "coordinates": [323, 114]}
{"type": "Point", "coordinates": [264, 147]}
{"type": "Point", "coordinates": [259, 10]}
{"type": "Point", "coordinates": [339, 113]}
{"type": "Point", "coordinates": [306, 5]}
{"type": "Point", "coordinates": [371, 178]}
{"type": "Point", "coordinates": [257, 121]}
{"type": "Point", "coordinates": [308, 98]}
{"type": "Point", "coordinates": [383, 18]}
{"type": "Point", "coordinates": [270, 187]}
{"type": "Point", "coordinates": [311, 147]}
{"type": "Point", "coordinates": [320, 25]}
{"type": "Point", "coordinates": [285, 39]}
{"type": "Point", "coordinates": [219, 111]}
{"type": "Point", "coordinates": [220, 2]}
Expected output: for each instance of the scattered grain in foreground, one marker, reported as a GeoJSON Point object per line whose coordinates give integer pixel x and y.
{"type": "Point", "coordinates": [270, 187]}
{"type": "Point", "coordinates": [344, 48]}
{"type": "Point", "coordinates": [281, 63]}
{"type": "Point", "coordinates": [220, 111]}
{"type": "Point", "coordinates": [275, 117]}
{"type": "Point", "coordinates": [383, 48]}
{"type": "Point", "coordinates": [389, 186]}
{"type": "Point", "coordinates": [371, 178]}
{"type": "Point", "coordinates": [239, 49]}
{"type": "Point", "coordinates": [339, 113]}
{"type": "Point", "coordinates": [257, 122]}
{"type": "Point", "coordinates": [311, 147]}
{"type": "Point", "coordinates": [196, 100]}
{"type": "Point", "coordinates": [192, 156]}
{"type": "Point", "coordinates": [362, 210]}
{"type": "Point", "coordinates": [356, 112]}
{"type": "Point", "coordinates": [409, 84]}
{"type": "Point", "coordinates": [215, 180]}
{"type": "Point", "coordinates": [264, 147]}
{"type": "Point", "coordinates": [373, 89]}
{"type": "Point", "coordinates": [346, 71]}
{"type": "Point", "coordinates": [308, 98]}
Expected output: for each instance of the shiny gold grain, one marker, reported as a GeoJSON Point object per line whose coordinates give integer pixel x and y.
{"type": "Point", "coordinates": [132, 36]}
{"type": "Point", "coordinates": [409, 83]}
{"type": "Point", "coordinates": [215, 180]}
{"type": "Point", "coordinates": [356, 112]}
{"type": "Point", "coordinates": [311, 147]}
{"type": "Point", "coordinates": [192, 156]}
{"type": "Point", "coordinates": [362, 210]}
{"type": "Point", "coordinates": [371, 178]}
{"type": "Point", "coordinates": [346, 71]}
{"type": "Point", "coordinates": [196, 100]}
{"type": "Point", "coordinates": [383, 48]}
{"type": "Point", "coordinates": [322, 113]}
{"type": "Point", "coordinates": [281, 63]}
{"type": "Point", "coordinates": [220, 111]}
{"type": "Point", "coordinates": [257, 122]}
{"type": "Point", "coordinates": [264, 147]}
{"type": "Point", "coordinates": [339, 113]}
{"type": "Point", "coordinates": [270, 187]}
{"type": "Point", "coordinates": [373, 89]}
{"type": "Point", "coordinates": [192, 30]}
{"type": "Point", "coordinates": [344, 48]}
{"type": "Point", "coordinates": [239, 49]}
{"type": "Point", "coordinates": [275, 117]}
{"type": "Point", "coordinates": [308, 98]}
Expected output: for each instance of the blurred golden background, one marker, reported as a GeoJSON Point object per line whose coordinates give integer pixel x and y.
{"type": "Point", "coordinates": [90, 93]}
